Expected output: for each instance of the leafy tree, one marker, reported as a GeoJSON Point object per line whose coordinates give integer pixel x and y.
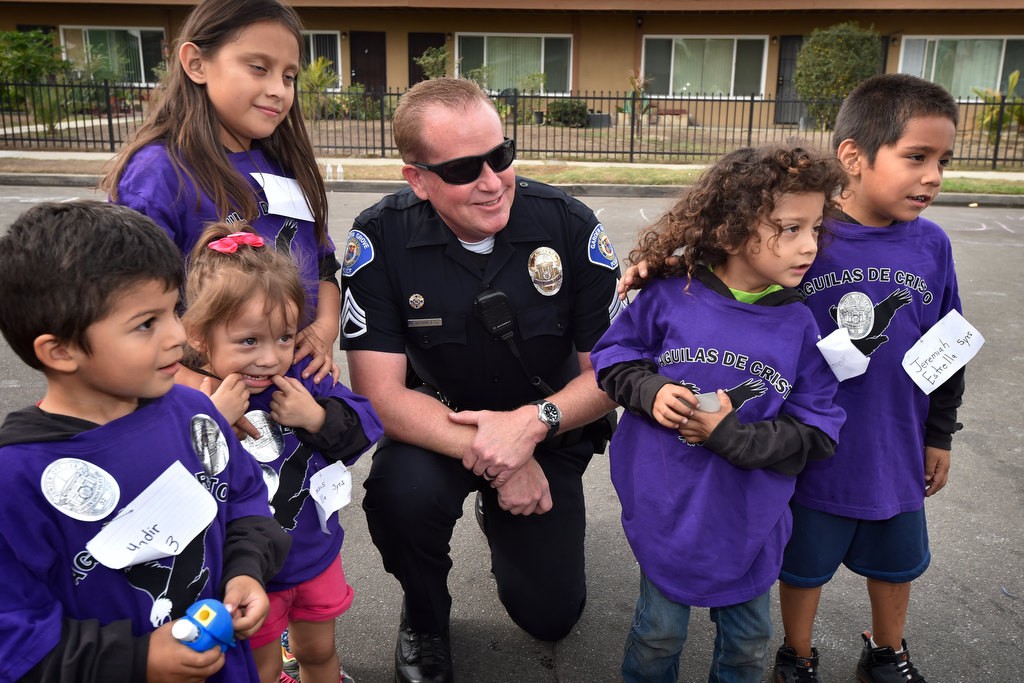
{"type": "Point", "coordinates": [433, 61]}
{"type": "Point", "coordinates": [831, 63]}
{"type": "Point", "coordinates": [29, 57]}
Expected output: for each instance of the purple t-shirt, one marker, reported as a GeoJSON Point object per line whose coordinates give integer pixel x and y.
{"type": "Point", "coordinates": [707, 533]}
{"type": "Point", "coordinates": [887, 286]}
{"type": "Point", "coordinates": [150, 185]}
{"type": "Point", "coordinates": [56, 496]}
{"type": "Point", "coordinates": [288, 475]}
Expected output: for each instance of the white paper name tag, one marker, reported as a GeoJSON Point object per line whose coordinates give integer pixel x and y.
{"type": "Point", "coordinates": [331, 489]}
{"type": "Point", "coordinates": [842, 356]}
{"type": "Point", "coordinates": [160, 522]}
{"type": "Point", "coordinates": [941, 351]}
{"type": "Point", "coordinates": [284, 196]}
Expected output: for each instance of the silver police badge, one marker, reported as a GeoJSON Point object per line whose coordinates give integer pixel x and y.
{"type": "Point", "coordinates": [80, 489]}
{"type": "Point", "coordinates": [416, 301]}
{"type": "Point", "coordinates": [856, 313]}
{"type": "Point", "coordinates": [545, 268]}
{"type": "Point", "coordinates": [209, 444]}
{"type": "Point", "coordinates": [270, 444]}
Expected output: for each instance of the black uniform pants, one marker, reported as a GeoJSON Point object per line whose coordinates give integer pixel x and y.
{"type": "Point", "coordinates": [413, 499]}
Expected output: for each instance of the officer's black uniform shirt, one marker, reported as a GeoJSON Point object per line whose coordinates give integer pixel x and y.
{"type": "Point", "coordinates": [409, 287]}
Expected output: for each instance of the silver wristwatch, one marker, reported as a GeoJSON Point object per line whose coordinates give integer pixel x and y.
{"type": "Point", "coordinates": [550, 415]}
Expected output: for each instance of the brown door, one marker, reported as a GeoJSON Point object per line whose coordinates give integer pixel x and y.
{"type": "Point", "coordinates": [788, 107]}
{"type": "Point", "coordinates": [418, 43]}
{"type": "Point", "coordinates": [369, 59]}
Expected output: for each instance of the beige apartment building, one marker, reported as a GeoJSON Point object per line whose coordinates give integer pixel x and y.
{"type": "Point", "coordinates": [719, 48]}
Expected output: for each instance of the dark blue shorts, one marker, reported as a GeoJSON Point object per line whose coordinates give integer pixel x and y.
{"type": "Point", "coordinates": [893, 550]}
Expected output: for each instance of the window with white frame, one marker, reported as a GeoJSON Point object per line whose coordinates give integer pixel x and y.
{"type": "Point", "coordinates": [326, 44]}
{"type": "Point", "coordinates": [962, 64]}
{"type": "Point", "coordinates": [699, 65]}
{"type": "Point", "coordinates": [508, 58]}
{"type": "Point", "coordinates": [121, 54]}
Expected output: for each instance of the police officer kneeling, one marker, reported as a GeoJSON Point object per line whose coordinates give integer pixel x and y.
{"type": "Point", "coordinates": [471, 301]}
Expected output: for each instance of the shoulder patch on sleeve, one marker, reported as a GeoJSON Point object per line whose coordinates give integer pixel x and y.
{"type": "Point", "coordinates": [353, 317]}
{"type": "Point", "coordinates": [600, 250]}
{"type": "Point", "coordinates": [358, 253]}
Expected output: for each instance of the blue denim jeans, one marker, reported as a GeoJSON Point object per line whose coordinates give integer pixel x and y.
{"type": "Point", "coordinates": [659, 630]}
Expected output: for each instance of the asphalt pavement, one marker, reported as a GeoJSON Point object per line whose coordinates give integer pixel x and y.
{"type": "Point", "coordinates": [966, 620]}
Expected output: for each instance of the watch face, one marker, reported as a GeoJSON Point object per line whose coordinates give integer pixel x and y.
{"type": "Point", "coordinates": [552, 415]}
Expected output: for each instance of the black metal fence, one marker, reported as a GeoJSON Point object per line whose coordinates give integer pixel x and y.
{"type": "Point", "coordinates": [627, 127]}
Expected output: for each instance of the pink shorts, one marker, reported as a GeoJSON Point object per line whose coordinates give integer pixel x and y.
{"type": "Point", "coordinates": [322, 598]}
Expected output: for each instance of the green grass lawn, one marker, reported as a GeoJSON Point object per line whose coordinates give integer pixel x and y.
{"type": "Point", "coordinates": [617, 174]}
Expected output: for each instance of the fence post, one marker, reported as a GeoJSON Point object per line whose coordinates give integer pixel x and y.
{"type": "Point", "coordinates": [383, 117]}
{"type": "Point", "coordinates": [750, 121]}
{"type": "Point", "coordinates": [515, 114]}
{"type": "Point", "coordinates": [999, 130]}
{"type": "Point", "coordinates": [632, 125]}
{"type": "Point", "coordinates": [110, 113]}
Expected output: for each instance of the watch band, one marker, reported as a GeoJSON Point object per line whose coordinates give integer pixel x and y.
{"type": "Point", "coordinates": [550, 415]}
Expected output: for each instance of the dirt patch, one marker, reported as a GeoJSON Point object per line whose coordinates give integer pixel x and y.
{"type": "Point", "coordinates": [74, 166]}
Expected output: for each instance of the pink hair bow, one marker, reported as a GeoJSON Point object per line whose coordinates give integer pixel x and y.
{"type": "Point", "coordinates": [229, 244]}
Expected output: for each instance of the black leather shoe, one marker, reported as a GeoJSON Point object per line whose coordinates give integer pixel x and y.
{"type": "Point", "coordinates": [422, 657]}
{"type": "Point", "coordinates": [478, 512]}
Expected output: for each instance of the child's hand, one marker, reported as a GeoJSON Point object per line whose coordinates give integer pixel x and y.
{"type": "Point", "coordinates": [232, 400]}
{"type": "Point", "coordinates": [635, 277]}
{"type": "Point", "coordinates": [317, 341]}
{"type": "Point", "coordinates": [698, 427]}
{"type": "Point", "coordinates": [936, 469]}
{"type": "Point", "coordinates": [171, 661]}
{"type": "Point", "coordinates": [673, 404]}
{"type": "Point", "coordinates": [247, 601]}
{"type": "Point", "coordinates": [294, 406]}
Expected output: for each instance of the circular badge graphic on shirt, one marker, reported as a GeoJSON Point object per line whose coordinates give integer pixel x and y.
{"type": "Point", "coordinates": [856, 313]}
{"type": "Point", "coordinates": [272, 479]}
{"type": "Point", "coordinates": [209, 444]}
{"type": "Point", "coordinates": [270, 444]}
{"type": "Point", "coordinates": [545, 268]}
{"type": "Point", "coordinates": [80, 489]}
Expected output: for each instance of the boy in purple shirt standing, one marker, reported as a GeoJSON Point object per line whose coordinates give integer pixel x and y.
{"type": "Point", "coordinates": [125, 499]}
{"type": "Point", "coordinates": [886, 276]}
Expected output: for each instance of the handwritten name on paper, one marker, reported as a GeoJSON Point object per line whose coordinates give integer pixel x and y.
{"type": "Point", "coordinates": [331, 489]}
{"type": "Point", "coordinates": [941, 351]}
{"type": "Point", "coordinates": [160, 522]}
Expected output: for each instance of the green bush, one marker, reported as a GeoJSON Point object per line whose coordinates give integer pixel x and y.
{"type": "Point", "coordinates": [354, 103]}
{"type": "Point", "coordinates": [314, 81]}
{"type": "Point", "coordinates": [433, 61]}
{"type": "Point", "coordinates": [29, 57]}
{"type": "Point", "coordinates": [1012, 108]}
{"type": "Point", "coordinates": [530, 86]}
{"type": "Point", "coordinates": [48, 106]}
{"type": "Point", "coordinates": [568, 112]}
{"type": "Point", "coordinates": [831, 63]}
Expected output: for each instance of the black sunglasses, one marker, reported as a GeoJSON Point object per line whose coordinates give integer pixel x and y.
{"type": "Point", "coordinates": [467, 169]}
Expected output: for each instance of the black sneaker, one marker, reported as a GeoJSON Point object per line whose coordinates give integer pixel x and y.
{"type": "Point", "coordinates": [792, 668]}
{"type": "Point", "coordinates": [422, 657]}
{"type": "Point", "coordinates": [884, 665]}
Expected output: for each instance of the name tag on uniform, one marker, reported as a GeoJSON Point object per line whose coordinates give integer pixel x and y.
{"type": "Point", "coordinates": [425, 322]}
